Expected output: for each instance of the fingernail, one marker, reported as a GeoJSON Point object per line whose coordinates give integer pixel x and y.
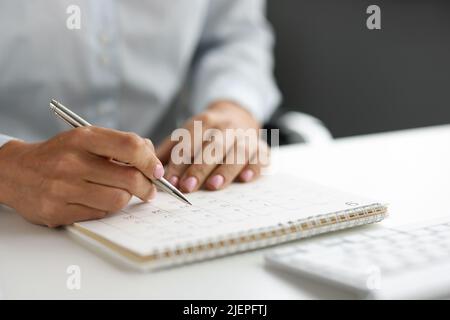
{"type": "Point", "coordinates": [151, 196]}
{"type": "Point", "coordinates": [159, 171]}
{"type": "Point", "coordinates": [216, 181]}
{"type": "Point", "coordinates": [189, 184]}
{"type": "Point", "coordinates": [247, 175]}
{"type": "Point", "coordinates": [173, 180]}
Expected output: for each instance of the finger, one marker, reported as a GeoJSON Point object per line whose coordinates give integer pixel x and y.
{"type": "Point", "coordinates": [76, 213]}
{"type": "Point", "coordinates": [164, 149]}
{"type": "Point", "coordinates": [122, 146]}
{"type": "Point", "coordinates": [150, 144]}
{"type": "Point", "coordinates": [186, 152]}
{"type": "Point", "coordinates": [100, 197]}
{"type": "Point", "coordinates": [249, 173]}
{"type": "Point", "coordinates": [195, 175]}
{"type": "Point", "coordinates": [175, 167]}
{"type": "Point", "coordinates": [102, 171]}
{"type": "Point", "coordinates": [226, 173]}
{"type": "Point", "coordinates": [223, 175]}
{"type": "Point", "coordinates": [174, 172]}
{"type": "Point", "coordinates": [259, 160]}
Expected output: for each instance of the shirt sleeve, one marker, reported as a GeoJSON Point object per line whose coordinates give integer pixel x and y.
{"type": "Point", "coordinates": [234, 60]}
{"type": "Point", "coordinates": [4, 139]}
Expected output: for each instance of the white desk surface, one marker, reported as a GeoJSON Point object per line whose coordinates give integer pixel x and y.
{"type": "Point", "coordinates": [408, 169]}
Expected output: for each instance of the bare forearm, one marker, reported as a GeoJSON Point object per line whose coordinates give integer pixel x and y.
{"type": "Point", "coordinates": [7, 170]}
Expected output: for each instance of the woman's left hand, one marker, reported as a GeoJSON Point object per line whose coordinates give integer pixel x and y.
{"type": "Point", "coordinates": [226, 153]}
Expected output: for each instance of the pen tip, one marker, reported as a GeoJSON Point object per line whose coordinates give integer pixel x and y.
{"type": "Point", "coordinates": [186, 200]}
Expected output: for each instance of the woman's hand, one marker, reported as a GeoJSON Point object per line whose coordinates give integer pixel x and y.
{"type": "Point", "coordinates": [69, 177]}
{"type": "Point", "coordinates": [226, 129]}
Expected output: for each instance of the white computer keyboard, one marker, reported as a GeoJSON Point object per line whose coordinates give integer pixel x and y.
{"type": "Point", "coordinates": [407, 262]}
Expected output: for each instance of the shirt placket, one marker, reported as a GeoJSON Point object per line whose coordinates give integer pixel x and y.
{"type": "Point", "coordinates": [104, 109]}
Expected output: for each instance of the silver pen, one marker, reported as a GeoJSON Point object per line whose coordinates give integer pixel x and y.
{"type": "Point", "coordinates": [76, 121]}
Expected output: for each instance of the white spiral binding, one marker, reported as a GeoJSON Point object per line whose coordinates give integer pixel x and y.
{"type": "Point", "coordinates": [264, 237]}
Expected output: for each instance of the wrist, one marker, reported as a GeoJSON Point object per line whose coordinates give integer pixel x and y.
{"type": "Point", "coordinates": [227, 105]}
{"type": "Point", "coordinates": [8, 153]}
{"type": "Point", "coordinates": [233, 110]}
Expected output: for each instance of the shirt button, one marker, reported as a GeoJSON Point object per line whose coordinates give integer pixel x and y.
{"type": "Point", "coordinates": [104, 59]}
{"type": "Point", "coordinates": [104, 38]}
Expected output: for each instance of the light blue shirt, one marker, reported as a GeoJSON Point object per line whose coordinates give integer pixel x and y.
{"type": "Point", "coordinates": [127, 65]}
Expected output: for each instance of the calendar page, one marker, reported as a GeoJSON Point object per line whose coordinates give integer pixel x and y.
{"type": "Point", "coordinates": [167, 223]}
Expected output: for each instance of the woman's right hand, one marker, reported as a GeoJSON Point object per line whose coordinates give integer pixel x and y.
{"type": "Point", "coordinates": [70, 178]}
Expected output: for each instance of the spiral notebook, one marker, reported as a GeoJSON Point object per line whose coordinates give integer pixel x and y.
{"type": "Point", "coordinates": [271, 210]}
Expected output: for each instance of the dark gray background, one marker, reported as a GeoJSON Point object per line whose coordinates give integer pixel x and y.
{"type": "Point", "coordinates": [357, 80]}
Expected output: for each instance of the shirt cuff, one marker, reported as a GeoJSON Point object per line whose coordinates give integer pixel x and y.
{"type": "Point", "coordinates": [261, 106]}
{"type": "Point", "coordinates": [4, 139]}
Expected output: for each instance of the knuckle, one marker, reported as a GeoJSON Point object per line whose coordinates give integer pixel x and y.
{"type": "Point", "coordinates": [196, 171]}
{"type": "Point", "coordinates": [204, 117]}
{"type": "Point", "coordinates": [149, 193]}
{"type": "Point", "coordinates": [53, 188]}
{"type": "Point", "coordinates": [49, 213]}
{"type": "Point", "coordinates": [226, 124]}
{"type": "Point", "coordinates": [150, 165]}
{"type": "Point", "coordinates": [172, 170]}
{"type": "Point", "coordinates": [134, 141]}
{"type": "Point", "coordinates": [78, 134]}
{"type": "Point", "coordinates": [65, 162]}
{"type": "Point", "coordinates": [216, 156]}
{"type": "Point", "coordinates": [132, 179]}
{"type": "Point", "coordinates": [150, 144]}
{"type": "Point", "coordinates": [119, 200]}
{"type": "Point", "coordinates": [219, 144]}
{"type": "Point", "coordinates": [47, 208]}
